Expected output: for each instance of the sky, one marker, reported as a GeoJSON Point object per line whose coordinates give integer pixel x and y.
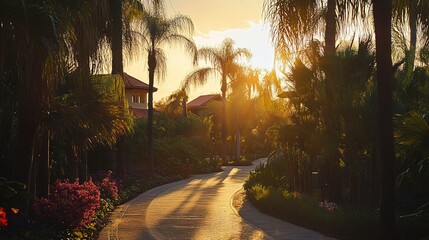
{"type": "Point", "coordinates": [214, 20]}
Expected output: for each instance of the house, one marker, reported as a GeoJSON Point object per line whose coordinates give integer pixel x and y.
{"type": "Point", "coordinates": [198, 104]}
{"type": "Point", "coordinates": [136, 93]}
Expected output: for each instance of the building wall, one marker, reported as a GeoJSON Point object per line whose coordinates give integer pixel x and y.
{"type": "Point", "coordinates": [137, 98]}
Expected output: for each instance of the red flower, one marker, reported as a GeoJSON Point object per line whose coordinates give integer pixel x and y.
{"type": "Point", "coordinates": [70, 205]}
{"type": "Point", "coordinates": [3, 219]}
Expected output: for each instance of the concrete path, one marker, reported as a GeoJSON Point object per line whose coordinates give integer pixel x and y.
{"type": "Point", "coordinates": [209, 206]}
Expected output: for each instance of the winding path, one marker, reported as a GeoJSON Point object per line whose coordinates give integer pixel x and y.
{"type": "Point", "coordinates": [201, 207]}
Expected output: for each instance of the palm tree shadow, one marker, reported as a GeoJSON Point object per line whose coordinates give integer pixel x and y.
{"type": "Point", "coordinates": [193, 216]}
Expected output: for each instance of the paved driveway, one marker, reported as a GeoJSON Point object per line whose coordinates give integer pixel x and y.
{"type": "Point", "coordinates": [201, 207]}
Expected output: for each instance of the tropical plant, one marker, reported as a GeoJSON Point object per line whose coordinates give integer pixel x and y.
{"type": "Point", "coordinates": [31, 61]}
{"type": "Point", "coordinates": [70, 205]}
{"type": "Point", "coordinates": [224, 63]}
{"type": "Point", "coordinates": [294, 25]}
{"type": "Point", "coordinates": [244, 81]}
{"type": "Point", "coordinates": [175, 104]}
{"type": "Point", "coordinates": [414, 14]}
{"type": "Point", "coordinates": [81, 126]}
{"type": "Point", "coordinates": [382, 11]}
{"type": "Point", "coordinates": [158, 31]}
{"type": "Point", "coordinates": [123, 15]}
{"type": "Point", "coordinates": [108, 187]}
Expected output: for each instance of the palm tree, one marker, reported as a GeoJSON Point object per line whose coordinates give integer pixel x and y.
{"type": "Point", "coordinates": [382, 10]}
{"type": "Point", "coordinates": [224, 64]}
{"type": "Point", "coordinates": [32, 57]}
{"type": "Point", "coordinates": [122, 14]}
{"type": "Point", "coordinates": [158, 31]}
{"type": "Point", "coordinates": [415, 13]}
{"type": "Point", "coordinates": [294, 24]}
{"type": "Point", "coordinates": [269, 88]}
{"type": "Point", "coordinates": [244, 81]}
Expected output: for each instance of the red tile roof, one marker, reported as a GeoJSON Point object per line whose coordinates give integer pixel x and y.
{"type": "Point", "coordinates": [134, 83]}
{"type": "Point", "coordinates": [203, 99]}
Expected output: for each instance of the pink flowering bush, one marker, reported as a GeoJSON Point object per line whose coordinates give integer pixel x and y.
{"type": "Point", "coordinates": [330, 206]}
{"type": "Point", "coordinates": [70, 205]}
{"type": "Point", "coordinates": [108, 187]}
{"type": "Point", "coordinates": [3, 219]}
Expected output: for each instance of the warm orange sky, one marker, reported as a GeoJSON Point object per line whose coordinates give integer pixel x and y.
{"type": "Point", "coordinates": [214, 20]}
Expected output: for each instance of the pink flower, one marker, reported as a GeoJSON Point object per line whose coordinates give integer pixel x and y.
{"type": "Point", "coordinates": [330, 206]}
{"type": "Point", "coordinates": [70, 205]}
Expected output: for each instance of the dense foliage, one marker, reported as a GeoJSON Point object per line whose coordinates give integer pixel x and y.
{"type": "Point", "coordinates": [304, 143]}
{"type": "Point", "coordinates": [268, 189]}
{"type": "Point", "coordinates": [70, 205]}
{"type": "Point", "coordinates": [182, 146]}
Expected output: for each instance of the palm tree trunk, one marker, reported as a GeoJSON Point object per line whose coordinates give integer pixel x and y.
{"type": "Point", "coordinates": [333, 177]}
{"type": "Point", "coordinates": [117, 59]}
{"type": "Point", "coordinates": [331, 29]}
{"type": "Point", "coordinates": [223, 126]}
{"type": "Point", "coordinates": [43, 173]}
{"type": "Point", "coordinates": [73, 159]}
{"type": "Point", "coordinates": [118, 68]}
{"type": "Point", "coordinates": [30, 94]}
{"type": "Point", "coordinates": [152, 67]}
{"type": "Point", "coordinates": [238, 142]}
{"type": "Point", "coordinates": [184, 108]}
{"type": "Point", "coordinates": [83, 171]}
{"type": "Point", "coordinates": [24, 156]}
{"type": "Point", "coordinates": [382, 11]}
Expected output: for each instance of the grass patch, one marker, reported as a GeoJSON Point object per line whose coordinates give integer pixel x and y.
{"type": "Point", "coordinates": [342, 223]}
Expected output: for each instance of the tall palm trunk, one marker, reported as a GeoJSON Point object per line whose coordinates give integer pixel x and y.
{"type": "Point", "coordinates": [43, 168]}
{"type": "Point", "coordinates": [118, 68]}
{"type": "Point", "coordinates": [83, 89]}
{"type": "Point", "coordinates": [330, 28]}
{"type": "Point", "coordinates": [237, 134]}
{"type": "Point", "coordinates": [382, 11]}
{"type": "Point", "coordinates": [184, 108]}
{"type": "Point", "coordinates": [223, 126]}
{"type": "Point", "coordinates": [117, 59]}
{"type": "Point", "coordinates": [152, 68]}
{"type": "Point", "coordinates": [238, 140]}
{"type": "Point", "coordinates": [333, 191]}
{"type": "Point", "coordinates": [31, 91]}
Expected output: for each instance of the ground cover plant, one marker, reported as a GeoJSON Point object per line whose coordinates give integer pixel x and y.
{"type": "Point", "coordinates": [267, 189]}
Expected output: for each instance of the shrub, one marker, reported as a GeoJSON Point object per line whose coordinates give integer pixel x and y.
{"type": "Point", "coordinates": [70, 205]}
{"type": "Point", "coordinates": [3, 219]}
{"type": "Point", "coordinates": [108, 187]}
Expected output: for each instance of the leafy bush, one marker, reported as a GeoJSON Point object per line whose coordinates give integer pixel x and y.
{"type": "Point", "coordinates": [70, 205]}
{"type": "Point", "coordinates": [180, 145]}
{"type": "Point", "coordinates": [326, 217]}
{"type": "Point", "coordinates": [271, 174]}
{"type": "Point", "coordinates": [108, 187]}
{"type": "Point", "coordinates": [3, 219]}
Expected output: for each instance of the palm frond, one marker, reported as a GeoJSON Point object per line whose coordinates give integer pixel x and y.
{"type": "Point", "coordinates": [413, 130]}
{"type": "Point", "coordinates": [198, 77]}
{"type": "Point", "coordinates": [292, 22]}
{"type": "Point", "coordinates": [100, 118]}
{"type": "Point", "coordinates": [161, 64]}
{"type": "Point", "coordinates": [133, 13]}
{"type": "Point", "coordinates": [181, 24]}
{"type": "Point", "coordinates": [187, 43]}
